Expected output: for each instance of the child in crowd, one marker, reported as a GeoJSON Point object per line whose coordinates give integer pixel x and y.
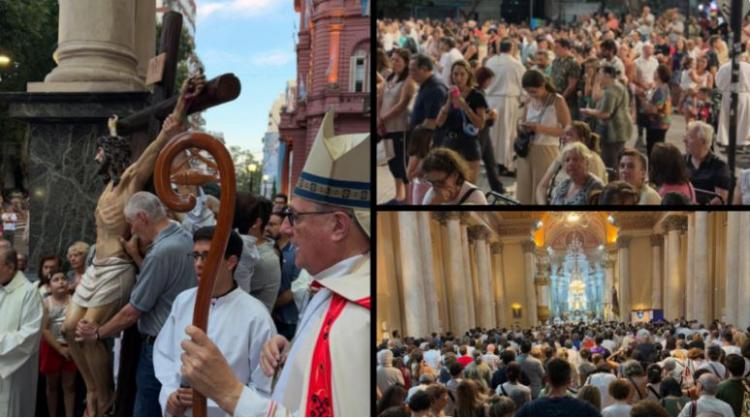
{"type": "Point", "coordinates": [55, 361]}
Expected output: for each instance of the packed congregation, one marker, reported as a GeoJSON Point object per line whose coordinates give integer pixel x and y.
{"type": "Point", "coordinates": [612, 369]}
{"type": "Point", "coordinates": [567, 113]}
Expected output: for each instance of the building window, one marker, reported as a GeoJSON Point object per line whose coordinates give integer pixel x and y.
{"type": "Point", "coordinates": [358, 72]}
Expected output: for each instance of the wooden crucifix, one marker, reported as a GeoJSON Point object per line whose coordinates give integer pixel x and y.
{"type": "Point", "coordinates": [144, 125]}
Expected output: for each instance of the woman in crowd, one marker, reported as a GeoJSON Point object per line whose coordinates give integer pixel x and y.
{"type": "Point", "coordinates": [393, 117]}
{"type": "Point", "coordinates": [469, 400]}
{"type": "Point", "coordinates": [462, 117]}
{"type": "Point", "coordinates": [576, 189]}
{"type": "Point", "coordinates": [447, 173]}
{"type": "Point", "coordinates": [659, 108]}
{"type": "Point", "coordinates": [555, 175]}
{"type": "Point", "coordinates": [669, 172]}
{"type": "Point", "coordinates": [545, 119]}
{"type": "Point", "coordinates": [77, 253]}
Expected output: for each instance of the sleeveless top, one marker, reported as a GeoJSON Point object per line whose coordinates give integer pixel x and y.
{"type": "Point", "coordinates": [744, 179]}
{"type": "Point", "coordinates": [546, 117]}
{"type": "Point", "coordinates": [391, 95]}
{"type": "Point", "coordinates": [56, 318]}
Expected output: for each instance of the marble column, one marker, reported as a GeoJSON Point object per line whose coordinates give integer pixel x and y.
{"type": "Point", "coordinates": [673, 296]}
{"type": "Point", "coordinates": [415, 310]}
{"type": "Point", "coordinates": [732, 298]}
{"type": "Point", "coordinates": [499, 281]}
{"type": "Point", "coordinates": [145, 33]}
{"type": "Point", "coordinates": [428, 273]}
{"type": "Point", "coordinates": [96, 49]}
{"type": "Point", "coordinates": [479, 234]}
{"type": "Point", "coordinates": [689, 292]}
{"type": "Point", "coordinates": [455, 278]}
{"type": "Point", "coordinates": [701, 288]}
{"type": "Point", "coordinates": [467, 279]}
{"type": "Point", "coordinates": [623, 256]}
{"type": "Point", "coordinates": [531, 302]}
{"type": "Point", "coordinates": [656, 282]}
{"type": "Point", "coordinates": [542, 282]}
{"type": "Point", "coordinates": [609, 282]}
{"type": "Point", "coordinates": [743, 307]}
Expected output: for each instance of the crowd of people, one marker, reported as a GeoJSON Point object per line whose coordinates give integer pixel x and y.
{"type": "Point", "coordinates": [264, 273]}
{"type": "Point", "coordinates": [610, 369]}
{"type": "Point", "coordinates": [558, 107]}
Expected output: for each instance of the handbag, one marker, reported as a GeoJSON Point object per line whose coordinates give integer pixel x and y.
{"type": "Point", "coordinates": [523, 139]}
{"type": "Point", "coordinates": [469, 128]}
{"type": "Point", "coordinates": [385, 151]}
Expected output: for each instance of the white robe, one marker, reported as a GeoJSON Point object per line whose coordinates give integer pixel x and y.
{"type": "Point", "coordinates": [723, 81]}
{"type": "Point", "coordinates": [238, 324]}
{"type": "Point", "coordinates": [20, 332]}
{"type": "Point", "coordinates": [349, 349]}
{"type": "Point", "coordinates": [503, 95]}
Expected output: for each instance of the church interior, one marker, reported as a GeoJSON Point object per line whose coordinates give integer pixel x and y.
{"type": "Point", "coordinates": [455, 271]}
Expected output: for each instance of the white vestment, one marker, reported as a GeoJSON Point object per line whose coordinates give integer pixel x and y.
{"type": "Point", "coordinates": [238, 324]}
{"type": "Point", "coordinates": [723, 80]}
{"type": "Point", "coordinates": [503, 95]}
{"type": "Point", "coordinates": [349, 349]}
{"type": "Point", "coordinates": [20, 332]}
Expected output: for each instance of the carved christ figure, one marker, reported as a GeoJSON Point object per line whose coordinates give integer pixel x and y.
{"type": "Point", "coordinates": [106, 284]}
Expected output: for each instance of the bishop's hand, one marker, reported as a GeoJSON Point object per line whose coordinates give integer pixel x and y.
{"type": "Point", "coordinates": [273, 354]}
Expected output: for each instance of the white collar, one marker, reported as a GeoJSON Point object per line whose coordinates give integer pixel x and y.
{"type": "Point", "coordinates": [342, 267]}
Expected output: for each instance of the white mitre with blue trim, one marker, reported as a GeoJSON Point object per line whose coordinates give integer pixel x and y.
{"type": "Point", "coordinates": [337, 171]}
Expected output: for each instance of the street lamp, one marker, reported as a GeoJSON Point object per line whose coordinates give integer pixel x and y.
{"type": "Point", "coordinates": [4, 60]}
{"type": "Point", "coordinates": [252, 168]}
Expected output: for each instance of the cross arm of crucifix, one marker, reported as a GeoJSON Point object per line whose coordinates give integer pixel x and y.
{"type": "Point", "coordinates": [142, 169]}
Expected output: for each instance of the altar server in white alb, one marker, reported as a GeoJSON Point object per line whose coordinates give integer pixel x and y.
{"type": "Point", "coordinates": [325, 369]}
{"type": "Point", "coordinates": [238, 323]}
{"type": "Point", "coordinates": [20, 332]}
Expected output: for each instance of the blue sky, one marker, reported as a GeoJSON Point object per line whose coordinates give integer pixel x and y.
{"type": "Point", "coordinates": [254, 40]}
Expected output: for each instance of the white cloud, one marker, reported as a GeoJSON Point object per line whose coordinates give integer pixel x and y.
{"type": "Point", "coordinates": [274, 58]}
{"type": "Point", "coordinates": [235, 8]}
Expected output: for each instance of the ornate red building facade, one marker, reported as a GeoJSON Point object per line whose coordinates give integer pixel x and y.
{"type": "Point", "coordinates": [333, 55]}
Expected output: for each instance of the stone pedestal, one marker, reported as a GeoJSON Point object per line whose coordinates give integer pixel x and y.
{"type": "Point", "coordinates": [63, 183]}
{"type": "Point", "coordinates": [97, 45]}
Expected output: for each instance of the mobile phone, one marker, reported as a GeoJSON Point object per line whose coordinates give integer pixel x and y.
{"type": "Point", "coordinates": [455, 92]}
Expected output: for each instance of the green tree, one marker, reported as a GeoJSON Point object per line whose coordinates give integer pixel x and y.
{"type": "Point", "coordinates": [248, 170]}
{"type": "Point", "coordinates": [28, 36]}
{"type": "Point", "coordinates": [391, 8]}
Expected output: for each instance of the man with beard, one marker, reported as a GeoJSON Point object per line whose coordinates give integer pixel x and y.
{"type": "Point", "coordinates": [285, 312]}
{"type": "Point", "coordinates": [106, 284]}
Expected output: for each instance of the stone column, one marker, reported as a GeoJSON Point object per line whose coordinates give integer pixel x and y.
{"type": "Point", "coordinates": [656, 282]}
{"type": "Point", "coordinates": [478, 234]}
{"type": "Point", "coordinates": [428, 273]}
{"type": "Point", "coordinates": [96, 49]}
{"type": "Point", "coordinates": [700, 288]}
{"type": "Point", "coordinates": [673, 296]}
{"type": "Point", "coordinates": [623, 255]}
{"type": "Point", "coordinates": [732, 298]}
{"type": "Point", "coordinates": [499, 281]}
{"type": "Point", "coordinates": [689, 292]}
{"type": "Point", "coordinates": [455, 277]}
{"type": "Point", "coordinates": [145, 33]}
{"type": "Point", "coordinates": [541, 280]}
{"type": "Point", "coordinates": [743, 307]}
{"type": "Point", "coordinates": [466, 278]}
{"type": "Point", "coordinates": [609, 281]}
{"type": "Point", "coordinates": [415, 310]}
{"type": "Point", "coordinates": [531, 303]}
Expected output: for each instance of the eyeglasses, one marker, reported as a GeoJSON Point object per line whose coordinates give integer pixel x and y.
{"type": "Point", "coordinates": [196, 255]}
{"type": "Point", "coordinates": [293, 215]}
{"type": "Point", "coordinates": [437, 183]}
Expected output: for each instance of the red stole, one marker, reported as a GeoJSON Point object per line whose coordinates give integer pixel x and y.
{"type": "Point", "coordinates": [320, 390]}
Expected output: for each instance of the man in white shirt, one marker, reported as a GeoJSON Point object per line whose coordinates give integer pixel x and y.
{"type": "Point", "coordinates": [601, 378]}
{"type": "Point", "coordinates": [450, 54]}
{"type": "Point", "coordinates": [20, 332]}
{"type": "Point", "coordinates": [432, 356]}
{"type": "Point", "coordinates": [713, 365]}
{"type": "Point", "coordinates": [503, 96]}
{"type": "Point", "coordinates": [237, 322]}
{"type": "Point", "coordinates": [727, 343]}
{"type": "Point", "coordinates": [707, 405]}
{"type": "Point", "coordinates": [645, 68]}
{"type": "Point", "coordinates": [326, 368]}
{"type": "Point", "coordinates": [621, 392]}
{"type": "Point", "coordinates": [723, 83]}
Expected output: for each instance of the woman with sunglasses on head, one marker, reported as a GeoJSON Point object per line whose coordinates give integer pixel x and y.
{"type": "Point", "coordinates": [463, 116]}
{"type": "Point", "coordinates": [446, 172]}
